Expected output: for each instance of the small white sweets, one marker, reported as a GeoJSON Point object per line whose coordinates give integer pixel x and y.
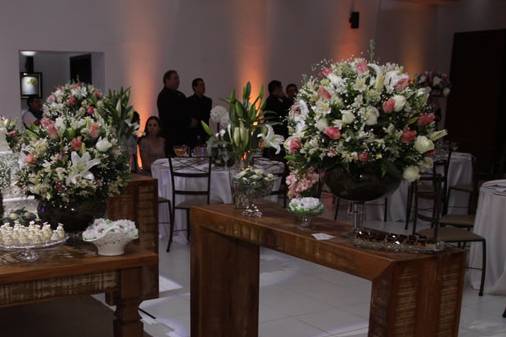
{"type": "Point", "coordinates": [31, 235]}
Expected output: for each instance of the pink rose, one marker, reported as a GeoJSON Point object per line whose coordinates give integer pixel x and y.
{"type": "Point", "coordinates": [362, 67]}
{"type": "Point", "coordinates": [324, 93]}
{"type": "Point", "coordinates": [363, 156]}
{"type": "Point", "coordinates": [76, 144]}
{"type": "Point", "coordinates": [46, 123]}
{"type": "Point", "coordinates": [332, 133]}
{"type": "Point", "coordinates": [51, 99]}
{"type": "Point", "coordinates": [12, 133]}
{"type": "Point", "coordinates": [294, 144]}
{"type": "Point", "coordinates": [326, 72]}
{"type": "Point", "coordinates": [90, 110]}
{"type": "Point", "coordinates": [430, 153]}
{"type": "Point", "coordinates": [408, 136]}
{"type": "Point", "coordinates": [402, 84]}
{"type": "Point", "coordinates": [426, 119]}
{"type": "Point", "coordinates": [94, 130]}
{"type": "Point", "coordinates": [72, 100]}
{"type": "Point", "coordinates": [389, 105]}
{"type": "Point", "coordinates": [98, 94]}
{"type": "Point", "coordinates": [30, 159]}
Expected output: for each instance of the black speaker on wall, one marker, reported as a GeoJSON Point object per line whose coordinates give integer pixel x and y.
{"type": "Point", "coordinates": [354, 19]}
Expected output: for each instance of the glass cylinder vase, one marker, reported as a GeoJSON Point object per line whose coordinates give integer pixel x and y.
{"type": "Point", "coordinates": [240, 196]}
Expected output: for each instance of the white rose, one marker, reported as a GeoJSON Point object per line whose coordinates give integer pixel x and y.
{"type": "Point", "coordinates": [103, 145]}
{"type": "Point", "coordinates": [348, 116]}
{"type": "Point", "coordinates": [322, 124]}
{"type": "Point", "coordinates": [423, 144]}
{"type": "Point", "coordinates": [435, 81]}
{"type": "Point", "coordinates": [446, 91]}
{"type": "Point", "coordinates": [411, 173]}
{"type": "Point", "coordinates": [371, 116]}
{"type": "Point", "coordinates": [400, 102]}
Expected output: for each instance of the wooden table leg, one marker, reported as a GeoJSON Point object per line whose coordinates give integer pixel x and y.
{"type": "Point", "coordinates": [128, 321]}
{"type": "Point", "coordinates": [224, 286]}
{"type": "Point", "coordinates": [419, 300]}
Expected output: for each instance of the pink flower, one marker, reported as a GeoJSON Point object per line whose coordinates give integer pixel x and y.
{"type": "Point", "coordinates": [326, 71]}
{"type": "Point", "coordinates": [51, 99]}
{"type": "Point", "coordinates": [332, 133]}
{"type": "Point", "coordinates": [426, 119]}
{"type": "Point", "coordinates": [363, 156]}
{"type": "Point", "coordinates": [98, 94]}
{"type": "Point", "coordinates": [76, 144]}
{"type": "Point", "coordinates": [408, 136]}
{"type": "Point", "coordinates": [94, 130]}
{"type": "Point", "coordinates": [294, 144]}
{"type": "Point", "coordinates": [430, 153]}
{"type": "Point", "coordinates": [90, 110]}
{"type": "Point", "coordinates": [46, 123]}
{"type": "Point", "coordinates": [389, 105]}
{"type": "Point", "coordinates": [299, 183]}
{"type": "Point", "coordinates": [30, 159]}
{"type": "Point", "coordinates": [52, 131]}
{"type": "Point", "coordinates": [402, 84]}
{"type": "Point", "coordinates": [362, 67]}
{"type": "Point", "coordinates": [12, 133]}
{"type": "Point", "coordinates": [324, 93]}
{"type": "Point", "coordinates": [72, 100]}
{"type": "Point", "coordinates": [75, 85]}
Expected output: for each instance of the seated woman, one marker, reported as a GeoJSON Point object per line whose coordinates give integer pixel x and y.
{"type": "Point", "coordinates": [152, 144]}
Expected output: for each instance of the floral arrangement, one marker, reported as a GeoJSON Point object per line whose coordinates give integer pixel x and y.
{"type": "Point", "coordinates": [247, 130]}
{"type": "Point", "coordinates": [5, 174]}
{"type": "Point", "coordinates": [438, 83]}
{"type": "Point", "coordinates": [11, 134]}
{"type": "Point", "coordinates": [100, 227]}
{"type": "Point", "coordinates": [220, 116]}
{"type": "Point", "coordinates": [306, 206]}
{"type": "Point", "coordinates": [254, 179]}
{"type": "Point", "coordinates": [20, 215]}
{"type": "Point", "coordinates": [75, 153]}
{"type": "Point", "coordinates": [355, 114]}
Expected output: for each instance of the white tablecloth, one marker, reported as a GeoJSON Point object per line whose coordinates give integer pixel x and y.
{"type": "Point", "coordinates": [490, 223]}
{"type": "Point", "coordinates": [220, 186]}
{"type": "Point", "coordinates": [460, 171]}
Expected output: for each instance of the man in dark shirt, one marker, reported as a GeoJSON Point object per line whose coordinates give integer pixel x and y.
{"type": "Point", "coordinates": [172, 112]}
{"type": "Point", "coordinates": [291, 93]}
{"type": "Point", "coordinates": [199, 107]}
{"type": "Point", "coordinates": [276, 106]}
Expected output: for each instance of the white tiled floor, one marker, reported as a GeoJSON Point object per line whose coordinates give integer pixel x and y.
{"type": "Point", "coordinates": [301, 299]}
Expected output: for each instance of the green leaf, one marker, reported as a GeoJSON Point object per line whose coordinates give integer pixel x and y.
{"type": "Point", "coordinates": [206, 128]}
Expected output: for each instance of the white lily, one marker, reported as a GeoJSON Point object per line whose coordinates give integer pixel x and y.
{"type": "Point", "coordinates": [271, 139]}
{"type": "Point", "coordinates": [80, 167]}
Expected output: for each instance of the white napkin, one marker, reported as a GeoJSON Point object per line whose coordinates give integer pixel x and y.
{"type": "Point", "coordinates": [322, 236]}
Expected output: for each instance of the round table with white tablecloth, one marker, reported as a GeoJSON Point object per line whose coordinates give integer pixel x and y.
{"type": "Point", "coordinates": [460, 172]}
{"type": "Point", "coordinates": [220, 191]}
{"type": "Point", "coordinates": [490, 223]}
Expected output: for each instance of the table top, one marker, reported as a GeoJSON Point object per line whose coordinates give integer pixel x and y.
{"type": "Point", "coordinates": [66, 261]}
{"type": "Point", "coordinates": [277, 230]}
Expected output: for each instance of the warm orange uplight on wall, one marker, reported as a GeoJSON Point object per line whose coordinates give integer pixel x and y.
{"type": "Point", "coordinates": [250, 43]}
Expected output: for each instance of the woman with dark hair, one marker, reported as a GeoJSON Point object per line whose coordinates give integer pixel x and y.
{"type": "Point", "coordinates": [152, 144]}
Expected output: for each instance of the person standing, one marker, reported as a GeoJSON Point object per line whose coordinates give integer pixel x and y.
{"type": "Point", "coordinates": [199, 107]}
{"type": "Point", "coordinates": [174, 119]}
{"type": "Point", "coordinates": [33, 114]}
{"type": "Point", "coordinates": [278, 105]}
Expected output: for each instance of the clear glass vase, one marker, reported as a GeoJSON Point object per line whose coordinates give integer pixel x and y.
{"type": "Point", "coordinates": [240, 197]}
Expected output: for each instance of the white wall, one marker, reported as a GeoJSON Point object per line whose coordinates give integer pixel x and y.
{"type": "Point", "coordinates": [227, 42]}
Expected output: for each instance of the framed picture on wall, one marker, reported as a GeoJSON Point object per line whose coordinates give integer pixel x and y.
{"type": "Point", "coordinates": [31, 84]}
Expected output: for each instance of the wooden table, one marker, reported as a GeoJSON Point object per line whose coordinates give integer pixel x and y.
{"type": "Point", "coordinates": [65, 271]}
{"type": "Point", "coordinates": [412, 294]}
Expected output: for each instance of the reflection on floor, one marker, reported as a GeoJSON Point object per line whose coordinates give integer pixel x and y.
{"type": "Point", "coordinates": [301, 299]}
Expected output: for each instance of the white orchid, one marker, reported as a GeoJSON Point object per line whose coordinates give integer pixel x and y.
{"type": "Point", "coordinates": [80, 167]}
{"type": "Point", "coordinates": [271, 139]}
